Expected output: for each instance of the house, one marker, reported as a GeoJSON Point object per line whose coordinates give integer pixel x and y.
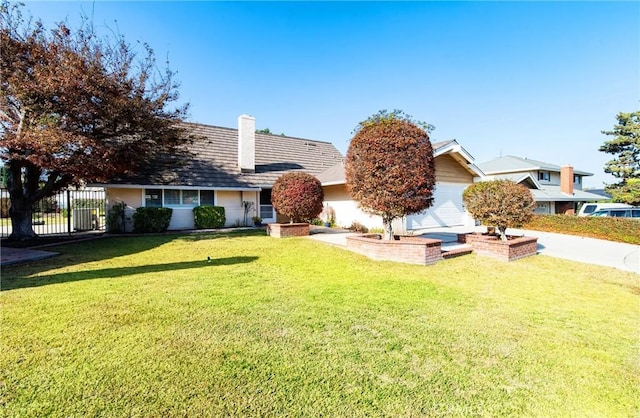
{"type": "Point", "coordinates": [556, 189]}
{"type": "Point", "coordinates": [454, 171]}
{"type": "Point", "coordinates": [222, 167]}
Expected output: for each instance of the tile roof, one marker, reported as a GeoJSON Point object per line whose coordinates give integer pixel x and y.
{"type": "Point", "coordinates": [553, 193]}
{"type": "Point", "coordinates": [510, 163]}
{"type": "Point", "coordinates": [211, 161]}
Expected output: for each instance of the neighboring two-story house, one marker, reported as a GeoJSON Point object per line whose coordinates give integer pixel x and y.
{"type": "Point", "coordinates": [556, 189]}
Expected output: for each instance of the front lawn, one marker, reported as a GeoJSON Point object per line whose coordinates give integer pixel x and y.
{"type": "Point", "coordinates": [145, 326]}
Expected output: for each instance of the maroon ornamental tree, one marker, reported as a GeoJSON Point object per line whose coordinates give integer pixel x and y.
{"type": "Point", "coordinates": [76, 108]}
{"type": "Point", "coordinates": [390, 168]}
{"type": "Point", "coordinates": [297, 195]}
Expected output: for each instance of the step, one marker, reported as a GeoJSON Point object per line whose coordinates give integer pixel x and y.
{"type": "Point", "coordinates": [456, 250]}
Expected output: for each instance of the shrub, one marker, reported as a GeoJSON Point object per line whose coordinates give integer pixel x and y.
{"type": "Point", "coordinates": [298, 196]}
{"type": "Point", "coordinates": [209, 217]}
{"type": "Point", "coordinates": [501, 203]}
{"type": "Point", "coordinates": [116, 218]}
{"type": "Point", "coordinates": [151, 219]}
{"type": "Point", "coordinates": [390, 168]}
{"type": "Point", "coordinates": [358, 227]}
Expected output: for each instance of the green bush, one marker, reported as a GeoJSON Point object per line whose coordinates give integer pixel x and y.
{"type": "Point", "coordinates": [115, 218]}
{"type": "Point", "coordinates": [151, 219]}
{"type": "Point", "coordinates": [612, 229]}
{"type": "Point", "coordinates": [209, 217]}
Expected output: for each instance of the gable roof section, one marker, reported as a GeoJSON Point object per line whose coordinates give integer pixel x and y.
{"type": "Point", "coordinates": [211, 161]}
{"type": "Point", "coordinates": [526, 178]}
{"type": "Point", "coordinates": [511, 164]}
{"type": "Point", "coordinates": [461, 155]}
{"type": "Point", "coordinates": [336, 174]}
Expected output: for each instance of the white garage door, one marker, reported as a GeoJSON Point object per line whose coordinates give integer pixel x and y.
{"type": "Point", "coordinates": [447, 209]}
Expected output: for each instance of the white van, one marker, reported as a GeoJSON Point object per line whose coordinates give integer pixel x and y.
{"type": "Point", "coordinates": [588, 208]}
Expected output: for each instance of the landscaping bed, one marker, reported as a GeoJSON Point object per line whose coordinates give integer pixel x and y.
{"type": "Point", "coordinates": [404, 249]}
{"type": "Point", "coordinates": [491, 245]}
{"type": "Point", "coordinates": [278, 230]}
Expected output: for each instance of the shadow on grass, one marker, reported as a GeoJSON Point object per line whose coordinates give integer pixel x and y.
{"type": "Point", "coordinates": [116, 272]}
{"type": "Point", "coordinates": [109, 247]}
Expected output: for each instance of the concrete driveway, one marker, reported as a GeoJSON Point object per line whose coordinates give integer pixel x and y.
{"type": "Point", "coordinates": [618, 255]}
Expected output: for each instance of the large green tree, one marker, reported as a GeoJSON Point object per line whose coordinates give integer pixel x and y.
{"type": "Point", "coordinates": [390, 167]}
{"type": "Point", "coordinates": [76, 108]}
{"type": "Point", "coordinates": [625, 145]}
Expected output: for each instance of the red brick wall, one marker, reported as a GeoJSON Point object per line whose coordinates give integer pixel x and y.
{"type": "Point", "coordinates": [411, 250]}
{"type": "Point", "coordinates": [288, 230]}
{"type": "Point", "coordinates": [492, 246]}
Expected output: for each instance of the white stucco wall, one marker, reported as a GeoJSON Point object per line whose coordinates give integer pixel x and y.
{"type": "Point", "coordinates": [346, 209]}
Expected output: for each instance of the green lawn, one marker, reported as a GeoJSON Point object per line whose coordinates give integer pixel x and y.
{"type": "Point", "coordinates": [144, 326]}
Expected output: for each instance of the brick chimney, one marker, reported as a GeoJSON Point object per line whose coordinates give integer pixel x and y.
{"type": "Point", "coordinates": [566, 179]}
{"type": "Point", "coordinates": [247, 143]}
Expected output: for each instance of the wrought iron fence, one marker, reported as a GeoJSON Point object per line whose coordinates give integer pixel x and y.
{"type": "Point", "coordinates": [65, 213]}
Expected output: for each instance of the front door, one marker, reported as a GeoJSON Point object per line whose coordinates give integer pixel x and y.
{"type": "Point", "coordinates": [267, 213]}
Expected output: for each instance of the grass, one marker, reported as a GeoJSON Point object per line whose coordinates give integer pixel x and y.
{"type": "Point", "coordinates": [145, 326]}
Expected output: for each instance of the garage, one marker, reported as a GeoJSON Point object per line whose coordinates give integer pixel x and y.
{"type": "Point", "coordinates": [447, 209]}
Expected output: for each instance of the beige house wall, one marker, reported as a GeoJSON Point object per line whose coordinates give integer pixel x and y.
{"type": "Point", "coordinates": [448, 170]}
{"type": "Point", "coordinates": [132, 197]}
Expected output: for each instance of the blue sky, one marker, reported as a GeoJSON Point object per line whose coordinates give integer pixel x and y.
{"type": "Point", "coordinates": [531, 79]}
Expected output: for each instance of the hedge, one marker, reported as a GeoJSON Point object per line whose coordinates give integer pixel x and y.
{"type": "Point", "coordinates": [151, 219]}
{"type": "Point", "coordinates": [612, 229]}
{"type": "Point", "coordinates": [209, 217]}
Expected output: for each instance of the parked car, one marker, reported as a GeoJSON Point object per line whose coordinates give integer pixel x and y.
{"type": "Point", "coordinates": [589, 208]}
{"type": "Point", "coordinates": [631, 212]}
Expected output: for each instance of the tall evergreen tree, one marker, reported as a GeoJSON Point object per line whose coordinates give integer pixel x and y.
{"type": "Point", "coordinates": [626, 165]}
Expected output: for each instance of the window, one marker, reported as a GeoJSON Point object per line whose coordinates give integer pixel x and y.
{"type": "Point", "coordinates": [619, 213]}
{"type": "Point", "coordinates": [171, 197]}
{"type": "Point", "coordinates": [153, 198]}
{"type": "Point", "coordinates": [181, 197]}
{"type": "Point", "coordinates": [206, 197]}
{"type": "Point", "coordinates": [544, 176]}
{"type": "Point", "coordinates": [576, 179]}
{"type": "Point", "coordinates": [589, 208]}
{"type": "Point", "coordinates": [190, 197]}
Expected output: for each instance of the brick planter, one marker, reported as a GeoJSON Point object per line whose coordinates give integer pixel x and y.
{"type": "Point", "coordinates": [411, 250]}
{"type": "Point", "coordinates": [492, 246]}
{"type": "Point", "coordinates": [288, 230]}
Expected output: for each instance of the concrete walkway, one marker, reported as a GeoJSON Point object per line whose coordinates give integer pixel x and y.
{"type": "Point", "coordinates": [10, 255]}
{"type": "Point", "coordinates": [618, 255]}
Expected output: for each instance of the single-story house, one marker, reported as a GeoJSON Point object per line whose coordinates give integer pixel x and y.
{"type": "Point", "coordinates": [556, 189]}
{"type": "Point", "coordinates": [454, 171]}
{"type": "Point", "coordinates": [222, 167]}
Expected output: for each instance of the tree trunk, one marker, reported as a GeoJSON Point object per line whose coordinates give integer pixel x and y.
{"type": "Point", "coordinates": [21, 213]}
{"type": "Point", "coordinates": [503, 232]}
{"type": "Point", "coordinates": [388, 228]}
{"type": "Point", "coordinates": [20, 193]}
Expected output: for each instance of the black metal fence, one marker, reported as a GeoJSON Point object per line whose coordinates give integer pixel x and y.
{"type": "Point", "coordinates": [67, 212]}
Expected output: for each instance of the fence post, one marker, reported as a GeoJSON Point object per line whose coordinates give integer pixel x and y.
{"type": "Point", "coordinates": [68, 212]}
